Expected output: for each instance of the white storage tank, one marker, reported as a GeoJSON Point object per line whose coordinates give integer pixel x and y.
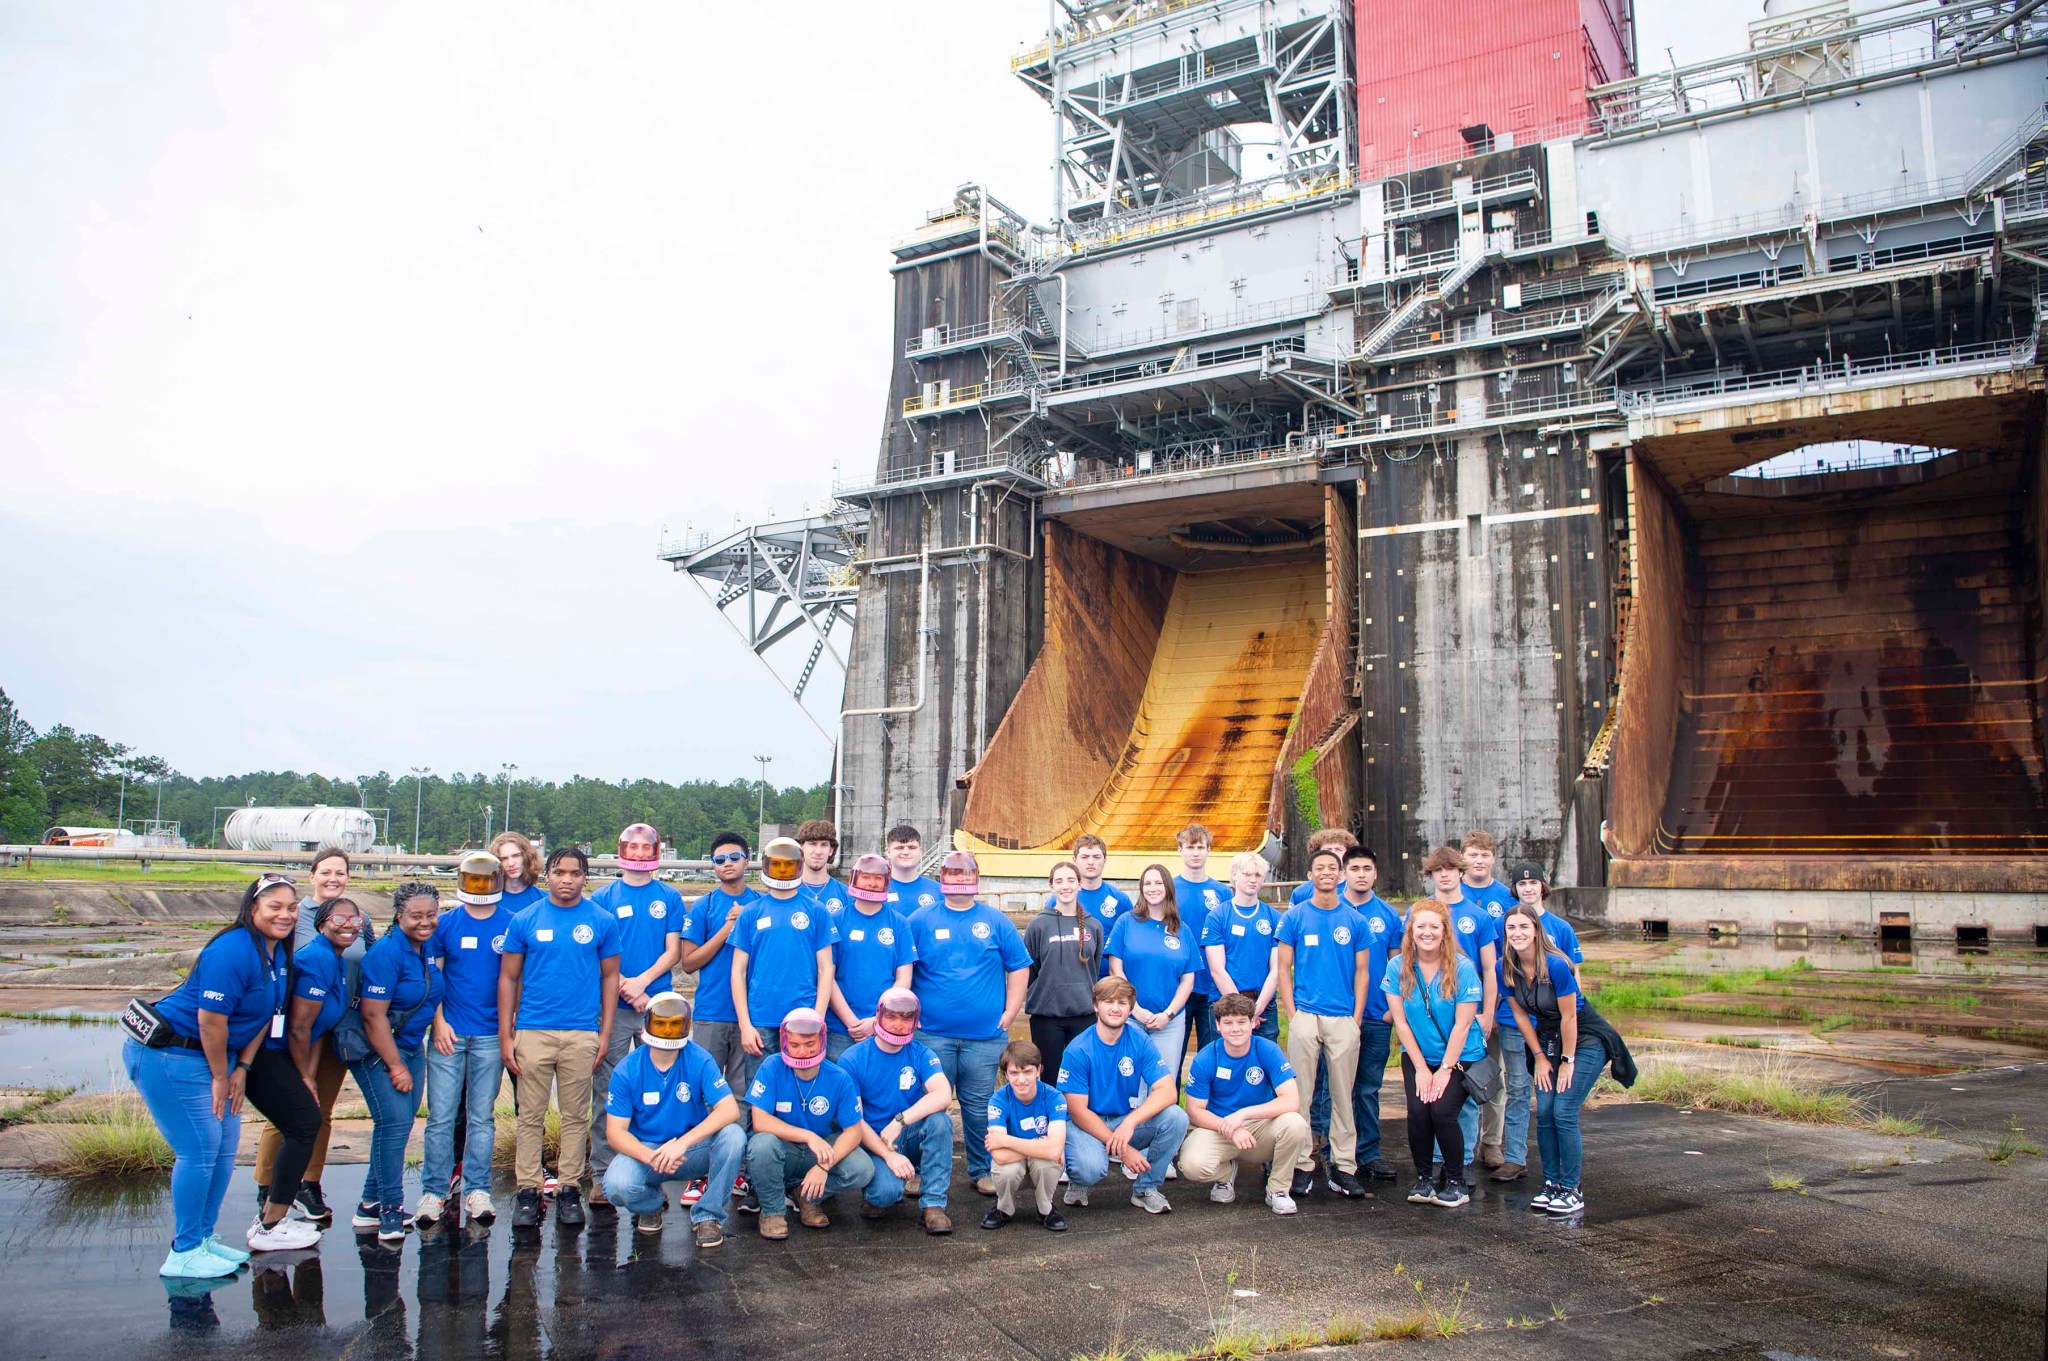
{"type": "Point", "coordinates": [300, 829]}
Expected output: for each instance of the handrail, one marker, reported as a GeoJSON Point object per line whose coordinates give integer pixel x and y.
{"type": "Point", "coordinates": [1823, 375]}
{"type": "Point", "coordinates": [983, 462]}
{"type": "Point", "coordinates": [961, 335]}
{"type": "Point", "coordinates": [1479, 189]}
{"type": "Point", "coordinates": [970, 394]}
{"type": "Point", "coordinates": [1173, 464]}
{"type": "Point", "coordinates": [1256, 196]}
{"type": "Point", "coordinates": [1073, 37]}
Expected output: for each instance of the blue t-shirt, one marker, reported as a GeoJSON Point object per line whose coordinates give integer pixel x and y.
{"type": "Point", "coordinates": [827, 1104]}
{"type": "Point", "coordinates": [1496, 897]}
{"type": "Point", "coordinates": [317, 976]}
{"type": "Point", "coordinates": [1010, 1114]}
{"type": "Point", "coordinates": [911, 897]}
{"type": "Point", "coordinates": [468, 949]}
{"type": "Point", "coordinates": [1154, 961]}
{"type": "Point", "coordinates": [889, 1084]}
{"type": "Point", "coordinates": [1231, 1084]}
{"type": "Point", "coordinates": [1432, 1016]}
{"type": "Point", "coordinates": [1562, 936]}
{"type": "Point", "coordinates": [870, 950]}
{"type": "Point", "coordinates": [1384, 928]}
{"type": "Point", "coordinates": [647, 914]}
{"type": "Point", "coordinates": [1475, 926]}
{"type": "Point", "coordinates": [516, 901]}
{"type": "Point", "coordinates": [663, 1106]}
{"type": "Point", "coordinates": [831, 895]}
{"type": "Point", "coordinates": [1326, 949]}
{"type": "Point", "coordinates": [962, 962]}
{"type": "Point", "coordinates": [781, 938]}
{"type": "Point", "coordinates": [398, 972]}
{"type": "Point", "coordinates": [1247, 937]}
{"type": "Point", "coordinates": [565, 948]}
{"type": "Point", "coordinates": [1304, 891]}
{"type": "Point", "coordinates": [1116, 1078]}
{"type": "Point", "coordinates": [714, 981]}
{"type": "Point", "coordinates": [232, 977]}
{"type": "Point", "coordinates": [1199, 900]}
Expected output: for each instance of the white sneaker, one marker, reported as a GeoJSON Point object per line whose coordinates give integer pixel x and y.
{"type": "Point", "coordinates": [286, 1235]}
{"type": "Point", "coordinates": [1129, 1175]}
{"type": "Point", "coordinates": [478, 1205]}
{"type": "Point", "coordinates": [1280, 1203]}
{"type": "Point", "coordinates": [429, 1209]}
{"type": "Point", "coordinates": [1172, 1172]}
{"type": "Point", "coordinates": [1074, 1195]}
{"type": "Point", "coordinates": [1225, 1191]}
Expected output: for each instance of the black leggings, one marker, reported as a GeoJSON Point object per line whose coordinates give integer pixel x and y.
{"type": "Point", "coordinates": [1434, 1124]}
{"type": "Point", "coordinates": [281, 1096]}
{"type": "Point", "coordinates": [1052, 1035]}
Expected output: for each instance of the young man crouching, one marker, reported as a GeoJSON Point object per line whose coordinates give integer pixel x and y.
{"type": "Point", "coordinates": [1243, 1107]}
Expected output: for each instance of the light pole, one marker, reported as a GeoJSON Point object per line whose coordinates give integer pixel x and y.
{"type": "Point", "coordinates": [509, 768]}
{"type": "Point", "coordinates": [488, 810]}
{"type": "Point", "coordinates": [419, 775]}
{"type": "Point", "coordinates": [121, 811]}
{"type": "Point", "coordinates": [761, 816]}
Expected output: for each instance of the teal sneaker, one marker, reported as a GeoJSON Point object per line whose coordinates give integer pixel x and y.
{"type": "Point", "coordinates": [194, 1264]}
{"type": "Point", "coordinates": [232, 1256]}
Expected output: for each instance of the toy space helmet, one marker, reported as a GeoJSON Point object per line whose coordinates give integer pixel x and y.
{"type": "Point", "coordinates": [803, 1037]}
{"type": "Point", "coordinates": [479, 879]}
{"type": "Point", "coordinates": [645, 834]}
{"type": "Point", "coordinates": [896, 1016]}
{"type": "Point", "coordinates": [668, 1021]}
{"type": "Point", "coordinates": [869, 881]}
{"type": "Point", "coordinates": [782, 863]}
{"type": "Point", "coordinates": [959, 875]}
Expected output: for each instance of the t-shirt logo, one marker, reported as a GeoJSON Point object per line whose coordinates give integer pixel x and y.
{"type": "Point", "coordinates": [1376, 926]}
{"type": "Point", "coordinates": [583, 935]}
{"type": "Point", "coordinates": [887, 935]}
{"type": "Point", "coordinates": [498, 943]}
{"type": "Point", "coordinates": [1493, 909]}
{"type": "Point", "coordinates": [682, 1091]}
{"type": "Point", "coordinates": [800, 920]}
{"type": "Point", "coordinates": [1062, 1078]}
{"type": "Point", "coordinates": [981, 931]}
{"type": "Point", "coordinates": [1342, 935]}
{"type": "Point", "coordinates": [925, 900]}
{"type": "Point", "coordinates": [1466, 926]}
{"type": "Point", "coordinates": [1109, 909]}
{"type": "Point", "coordinates": [817, 1105]}
{"type": "Point", "coordinates": [1209, 896]}
{"type": "Point", "coordinates": [1265, 927]}
{"type": "Point", "coordinates": [1173, 942]}
{"type": "Point", "coordinates": [906, 1079]}
{"type": "Point", "coordinates": [1254, 1076]}
{"type": "Point", "coordinates": [658, 911]}
{"type": "Point", "coordinates": [759, 1088]}
{"type": "Point", "coordinates": [1126, 1067]}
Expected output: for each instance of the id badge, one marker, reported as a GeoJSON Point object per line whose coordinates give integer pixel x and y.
{"type": "Point", "coordinates": [277, 1026]}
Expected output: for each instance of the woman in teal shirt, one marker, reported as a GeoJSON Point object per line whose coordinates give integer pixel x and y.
{"type": "Point", "coordinates": [1436, 994]}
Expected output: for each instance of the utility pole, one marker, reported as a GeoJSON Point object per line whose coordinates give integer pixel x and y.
{"type": "Point", "coordinates": [488, 810]}
{"type": "Point", "coordinates": [121, 809]}
{"type": "Point", "coordinates": [761, 816]}
{"type": "Point", "coordinates": [419, 774]}
{"type": "Point", "coordinates": [509, 768]}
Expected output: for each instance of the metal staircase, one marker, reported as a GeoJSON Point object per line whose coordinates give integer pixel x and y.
{"type": "Point", "coordinates": [1447, 283]}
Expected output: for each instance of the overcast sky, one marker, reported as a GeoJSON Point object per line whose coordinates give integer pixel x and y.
{"type": "Point", "coordinates": [355, 357]}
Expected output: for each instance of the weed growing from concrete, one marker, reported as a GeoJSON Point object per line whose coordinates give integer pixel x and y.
{"type": "Point", "coordinates": [118, 1140]}
{"type": "Point", "coordinates": [25, 1106]}
{"type": "Point", "coordinates": [59, 1018]}
{"type": "Point", "coordinates": [2011, 1144]}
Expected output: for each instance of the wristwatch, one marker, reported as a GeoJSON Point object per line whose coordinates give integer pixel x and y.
{"type": "Point", "coordinates": [241, 1066]}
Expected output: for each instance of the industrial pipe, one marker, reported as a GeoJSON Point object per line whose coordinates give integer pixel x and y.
{"type": "Point", "coordinates": [924, 581]}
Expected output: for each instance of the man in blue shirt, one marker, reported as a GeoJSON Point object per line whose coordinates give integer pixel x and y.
{"type": "Point", "coordinates": [558, 988]}
{"type": "Point", "coordinates": [650, 917]}
{"type": "Point", "coordinates": [1120, 1103]}
{"type": "Point", "coordinates": [781, 952]}
{"type": "Point", "coordinates": [707, 953]}
{"type": "Point", "coordinates": [820, 840]}
{"type": "Point", "coordinates": [909, 891]}
{"type": "Point", "coordinates": [1482, 888]}
{"type": "Point", "coordinates": [808, 1128]}
{"type": "Point", "coordinates": [970, 975]}
{"type": "Point", "coordinates": [1199, 897]}
{"type": "Point", "coordinates": [904, 1097]}
{"type": "Point", "coordinates": [524, 873]}
{"type": "Point", "coordinates": [1323, 982]}
{"type": "Point", "coordinates": [464, 1065]}
{"type": "Point", "coordinates": [672, 1118]}
{"type": "Point", "coordinates": [1238, 945]}
{"type": "Point", "coordinates": [874, 954]}
{"type": "Point", "coordinates": [1245, 1108]}
{"type": "Point", "coordinates": [1376, 1036]}
{"type": "Point", "coordinates": [1530, 887]}
{"type": "Point", "coordinates": [1319, 838]}
{"type": "Point", "coordinates": [1027, 1137]}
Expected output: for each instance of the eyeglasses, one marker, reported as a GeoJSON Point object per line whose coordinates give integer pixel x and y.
{"type": "Point", "coordinates": [730, 857]}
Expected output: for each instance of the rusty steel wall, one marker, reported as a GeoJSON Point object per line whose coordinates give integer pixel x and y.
{"type": "Point", "coordinates": [1326, 721]}
{"type": "Point", "coordinates": [1656, 665]}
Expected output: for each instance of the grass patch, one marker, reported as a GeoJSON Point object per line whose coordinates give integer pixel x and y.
{"type": "Point", "coordinates": [503, 1147]}
{"type": "Point", "coordinates": [2011, 1144]}
{"type": "Point", "coordinates": [117, 1141]}
{"type": "Point", "coordinates": [1431, 1316]}
{"type": "Point", "coordinates": [1737, 1041]}
{"type": "Point", "coordinates": [1776, 1089]}
{"type": "Point", "coordinates": [1898, 1126]}
{"type": "Point", "coordinates": [1831, 1023]}
{"type": "Point", "coordinates": [59, 1018]}
{"type": "Point", "coordinates": [25, 1105]}
{"type": "Point", "coordinates": [1782, 1182]}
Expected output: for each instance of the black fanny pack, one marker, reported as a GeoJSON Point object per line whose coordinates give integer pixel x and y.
{"type": "Point", "coordinates": [149, 1028]}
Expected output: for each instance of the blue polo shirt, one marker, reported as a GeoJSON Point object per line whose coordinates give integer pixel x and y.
{"type": "Point", "coordinates": [871, 948]}
{"type": "Point", "coordinates": [1247, 935]}
{"type": "Point", "coordinates": [831, 895]}
{"type": "Point", "coordinates": [1154, 961]}
{"type": "Point", "coordinates": [565, 947]}
{"type": "Point", "coordinates": [889, 1084]}
{"type": "Point", "coordinates": [781, 938]}
{"type": "Point", "coordinates": [1564, 938]}
{"type": "Point", "coordinates": [317, 976]}
{"type": "Point", "coordinates": [714, 981]}
{"type": "Point", "coordinates": [467, 948]}
{"type": "Point", "coordinates": [1384, 928]}
{"type": "Point", "coordinates": [647, 914]}
{"type": "Point", "coordinates": [1432, 1016]}
{"type": "Point", "coordinates": [913, 896]}
{"type": "Point", "coordinates": [1010, 1114]}
{"type": "Point", "coordinates": [826, 1105]}
{"type": "Point", "coordinates": [665, 1105]}
{"type": "Point", "coordinates": [1199, 900]}
{"type": "Point", "coordinates": [1116, 1078]}
{"type": "Point", "coordinates": [1326, 949]}
{"type": "Point", "coordinates": [235, 978]}
{"type": "Point", "coordinates": [960, 975]}
{"type": "Point", "coordinates": [1231, 1084]}
{"type": "Point", "coordinates": [398, 972]}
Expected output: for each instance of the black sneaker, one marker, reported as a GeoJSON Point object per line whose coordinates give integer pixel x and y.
{"type": "Point", "coordinates": [1304, 1182]}
{"type": "Point", "coordinates": [312, 1203]}
{"type": "Point", "coordinates": [526, 1212]}
{"type": "Point", "coordinates": [750, 1202]}
{"type": "Point", "coordinates": [1424, 1192]}
{"type": "Point", "coordinates": [1345, 1184]}
{"type": "Point", "coordinates": [1379, 1169]}
{"type": "Point", "coordinates": [1452, 1194]}
{"type": "Point", "coordinates": [569, 1206]}
{"type": "Point", "coordinates": [994, 1219]}
{"type": "Point", "coordinates": [1054, 1220]}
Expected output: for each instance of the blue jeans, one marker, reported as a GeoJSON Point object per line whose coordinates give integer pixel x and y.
{"type": "Point", "coordinates": [464, 1080]}
{"type": "Point", "coordinates": [1375, 1042]}
{"type": "Point", "coordinates": [1557, 1116]}
{"type": "Point", "coordinates": [774, 1165]}
{"type": "Point", "coordinates": [837, 1042]}
{"type": "Point", "coordinates": [1158, 1139]}
{"type": "Point", "coordinates": [970, 1065]}
{"type": "Point", "coordinates": [630, 1183]}
{"type": "Point", "coordinates": [391, 1115]}
{"type": "Point", "coordinates": [177, 1086]}
{"type": "Point", "coordinates": [929, 1144]}
{"type": "Point", "coordinates": [1516, 1077]}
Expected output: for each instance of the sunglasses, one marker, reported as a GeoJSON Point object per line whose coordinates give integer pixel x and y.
{"type": "Point", "coordinates": [267, 882]}
{"type": "Point", "coordinates": [729, 858]}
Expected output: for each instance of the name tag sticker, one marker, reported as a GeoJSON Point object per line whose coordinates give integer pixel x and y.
{"type": "Point", "coordinates": [1311, 940]}
{"type": "Point", "coordinates": [942, 933]}
{"type": "Point", "coordinates": [469, 942]}
{"type": "Point", "coordinates": [277, 1026]}
{"type": "Point", "coordinates": [1223, 1073]}
{"type": "Point", "coordinates": [623, 911]}
{"type": "Point", "coordinates": [782, 1107]}
{"type": "Point", "coordinates": [650, 1098]}
{"type": "Point", "coordinates": [547, 933]}
{"type": "Point", "coordinates": [856, 935]}
{"type": "Point", "coordinates": [1237, 930]}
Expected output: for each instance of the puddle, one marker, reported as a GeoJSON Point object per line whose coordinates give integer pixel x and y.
{"type": "Point", "coordinates": [52, 1054]}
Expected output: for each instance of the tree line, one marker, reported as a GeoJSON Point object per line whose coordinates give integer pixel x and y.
{"type": "Point", "coordinates": [61, 776]}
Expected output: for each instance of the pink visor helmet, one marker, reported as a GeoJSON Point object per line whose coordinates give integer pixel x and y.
{"type": "Point", "coordinates": [959, 875]}
{"type": "Point", "coordinates": [641, 832]}
{"type": "Point", "coordinates": [896, 1016]}
{"type": "Point", "coordinates": [870, 879]}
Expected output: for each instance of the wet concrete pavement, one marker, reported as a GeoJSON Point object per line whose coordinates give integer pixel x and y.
{"type": "Point", "coordinates": [1685, 1252]}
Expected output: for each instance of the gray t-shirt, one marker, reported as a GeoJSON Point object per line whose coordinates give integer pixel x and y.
{"type": "Point", "coordinates": [1065, 960]}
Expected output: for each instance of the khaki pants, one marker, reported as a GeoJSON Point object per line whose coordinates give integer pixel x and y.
{"type": "Point", "coordinates": [561, 1062]}
{"type": "Point", "coordinates": [1044, 1174]}
{"type": "Point", "coordinates": [328, 1074]}
{"type": "Point", "coordinates": [1493, 1114]}
{"type": "Point", "coordinates": [1281, 1141]}
{"type": "Point", "coordinates": [1335, 1040]}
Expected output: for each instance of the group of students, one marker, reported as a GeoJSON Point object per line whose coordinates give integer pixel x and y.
{"type": "Point", "coordinates": [834, 1024]}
